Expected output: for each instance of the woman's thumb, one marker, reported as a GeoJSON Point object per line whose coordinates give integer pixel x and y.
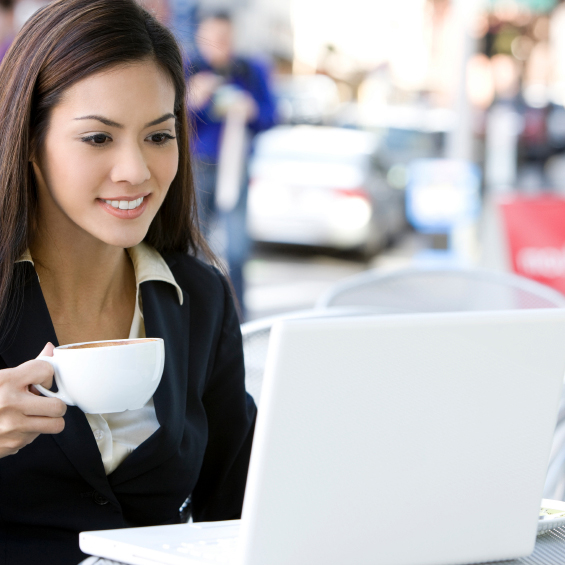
{"type": "Point", "coordinates": [48, 350]}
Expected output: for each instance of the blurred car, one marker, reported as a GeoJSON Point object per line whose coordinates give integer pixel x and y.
{"type": "Point", "coordinates": [407, 133]}
{"type": "Point", "coordinates": [320, 186]}
{"type": "Point", "coordinates": [306, 99]}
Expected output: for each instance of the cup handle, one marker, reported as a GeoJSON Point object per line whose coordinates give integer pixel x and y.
{"type": "Point", "coordinates": [61, 394]}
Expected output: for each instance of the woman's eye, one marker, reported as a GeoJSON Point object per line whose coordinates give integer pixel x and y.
{"type": "Point", "coordinates": [160, 138]}
{"type": "Point", "coordinates": [101, 139]}
{"type": "Point", "coordinates": [97, 139]}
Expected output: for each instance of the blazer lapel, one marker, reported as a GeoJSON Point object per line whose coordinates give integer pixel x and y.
{"type": "Point", "coordinates": [26, 341]}
{"type": "Point", "coordinates": [164, 317]}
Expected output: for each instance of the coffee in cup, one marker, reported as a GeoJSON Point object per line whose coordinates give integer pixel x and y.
{"type": "Point", "coordinates": [91, 344]}
{"type": "Point", "coordinates": [102, 377]}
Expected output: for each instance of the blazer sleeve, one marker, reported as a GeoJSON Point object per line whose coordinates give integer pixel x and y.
{"type": "Point", "coordinates": [231, 413]}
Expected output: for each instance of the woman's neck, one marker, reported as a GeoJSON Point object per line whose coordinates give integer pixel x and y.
{"type": "Point", "coordinates": [89, 286]}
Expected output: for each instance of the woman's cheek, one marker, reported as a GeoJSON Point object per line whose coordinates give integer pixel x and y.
{"type": "Point", "coordinates": [168, 169]}
{"type": "Point", "coordinates": [173, 164]}
{"type": "Point", "coordinates": [76, 176]}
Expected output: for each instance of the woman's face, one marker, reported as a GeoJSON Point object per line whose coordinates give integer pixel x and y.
{"type": "Point", "coordinates": [109, 156]}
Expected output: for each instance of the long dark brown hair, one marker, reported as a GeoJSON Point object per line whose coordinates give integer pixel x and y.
{"type": "Point", "coordinates": [61, 44]}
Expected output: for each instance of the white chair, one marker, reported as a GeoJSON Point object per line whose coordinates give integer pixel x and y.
{"type": "Point", "coordinates": [449, 290]}
{"type": "Point", "coordinates": [440, 290]}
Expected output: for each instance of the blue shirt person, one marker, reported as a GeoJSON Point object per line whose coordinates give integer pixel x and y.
{"type": "Point", "coordinates": [220, 81]}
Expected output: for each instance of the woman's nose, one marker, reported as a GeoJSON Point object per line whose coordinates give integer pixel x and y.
{"type": "Point", "coordinates": [131, 166]}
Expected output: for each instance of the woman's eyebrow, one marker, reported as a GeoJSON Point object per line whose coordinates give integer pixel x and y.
{"type": "Point", "coordinates": [113, 124]}
{"type": "Point", "coordinates": [160, 120]}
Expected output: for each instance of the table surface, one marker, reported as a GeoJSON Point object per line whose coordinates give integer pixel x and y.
{"type": "Point", "coordinates": [549, 550]}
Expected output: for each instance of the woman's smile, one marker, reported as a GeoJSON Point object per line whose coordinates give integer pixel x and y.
{"type": "Point", "coordinates": [125, 208]}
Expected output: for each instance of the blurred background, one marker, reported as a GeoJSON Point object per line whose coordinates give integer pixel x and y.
{"type": "Point", "coordinates": [334, 137]}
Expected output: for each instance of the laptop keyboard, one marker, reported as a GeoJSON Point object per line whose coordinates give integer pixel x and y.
{"type": "Point", "coordinates": [99, 561]}
{"type": "Point", "coordinates": [213, 550]}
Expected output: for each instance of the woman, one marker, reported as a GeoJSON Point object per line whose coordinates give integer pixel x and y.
{"type": "Point", "coordinates": [98, 241]}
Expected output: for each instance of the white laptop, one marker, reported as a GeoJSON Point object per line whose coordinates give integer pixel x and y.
{"type": "Point", "coordinates": [440, 424]}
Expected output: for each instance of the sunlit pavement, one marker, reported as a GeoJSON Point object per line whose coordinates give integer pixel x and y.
{"type": "Point", "coordinates": [284, 279]}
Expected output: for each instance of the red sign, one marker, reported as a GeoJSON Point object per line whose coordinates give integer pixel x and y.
{"type": "Point", "coordinates": [535, 231]}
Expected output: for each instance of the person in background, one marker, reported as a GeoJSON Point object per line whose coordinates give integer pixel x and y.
{"type": "Point", "coordinates": [7, 25]}
{"type": "Point", "coordinates": [222, 84]}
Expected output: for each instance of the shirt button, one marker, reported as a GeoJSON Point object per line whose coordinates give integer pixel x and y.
{"type": "Point", "coordinates": [98, 435]}
{"type": "Point", "coordinates": [99, 499]}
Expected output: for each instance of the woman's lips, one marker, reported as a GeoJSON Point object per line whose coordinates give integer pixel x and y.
{"type": "Point", "coordinates": [124, 214]}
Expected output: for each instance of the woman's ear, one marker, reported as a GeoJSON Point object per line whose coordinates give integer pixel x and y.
{"type": "Point", "coordinates": [35, 159]}
{"type": "Point", "coordinates": [34, 150]}
{"type": "Point", "coordinates": [36, 170]}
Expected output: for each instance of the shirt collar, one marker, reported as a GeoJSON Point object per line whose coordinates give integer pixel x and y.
{"type": "Point", "coordinates": [26, 257]}
{"type": "Point", "coordinates": [147, 264]}
{"type": "Point", "coordinates": [150, 266]}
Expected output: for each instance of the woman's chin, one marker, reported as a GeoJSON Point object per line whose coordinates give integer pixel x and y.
{"type": "Point", "coordinates": [124, 240]}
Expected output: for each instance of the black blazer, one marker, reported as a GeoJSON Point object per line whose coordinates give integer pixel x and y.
{"type": "Point", "coordinates": [56, 486]}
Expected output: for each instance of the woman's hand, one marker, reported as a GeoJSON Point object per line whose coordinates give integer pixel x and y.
{"type": "Point", "coordinates": [23, 413]}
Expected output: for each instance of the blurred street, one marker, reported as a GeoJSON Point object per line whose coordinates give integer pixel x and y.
{"type": "Point", "coordinates": [416, 124]}
{"type": "Point", "coordinates": [284, 279]}
{"type": "Point", "coordinates": [320, 136]}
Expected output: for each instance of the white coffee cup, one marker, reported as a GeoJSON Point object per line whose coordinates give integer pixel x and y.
{"type": "Point", "coordinates": [101, 377]}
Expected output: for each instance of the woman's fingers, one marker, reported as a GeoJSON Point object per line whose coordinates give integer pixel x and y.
{"type": "Point", "coordinates": [35, 425]}
{"type": "Point", "coordinates": [10, 444]}
{"type": "Point", "coordinates": [33, 405]}
{"type": "Point", "coordinates": [23, 415]}
{"type": "Point", "coordinates": [16, 424]}
{"type": "Point", "coordinates": [34, 373]}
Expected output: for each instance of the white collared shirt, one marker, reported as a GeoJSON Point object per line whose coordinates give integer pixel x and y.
{"type": "Point", "coordinates": [117, 435]}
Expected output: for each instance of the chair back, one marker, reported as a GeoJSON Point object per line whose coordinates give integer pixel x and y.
{"type": "Point", "coordinates": [440, 290]}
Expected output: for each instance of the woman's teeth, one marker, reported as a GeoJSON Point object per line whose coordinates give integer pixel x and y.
{"type": "Point", "coordinates": [125, 204]}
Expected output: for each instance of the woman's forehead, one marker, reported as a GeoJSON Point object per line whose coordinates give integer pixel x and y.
{"type": "Point", "coordinates": [135, 89]}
